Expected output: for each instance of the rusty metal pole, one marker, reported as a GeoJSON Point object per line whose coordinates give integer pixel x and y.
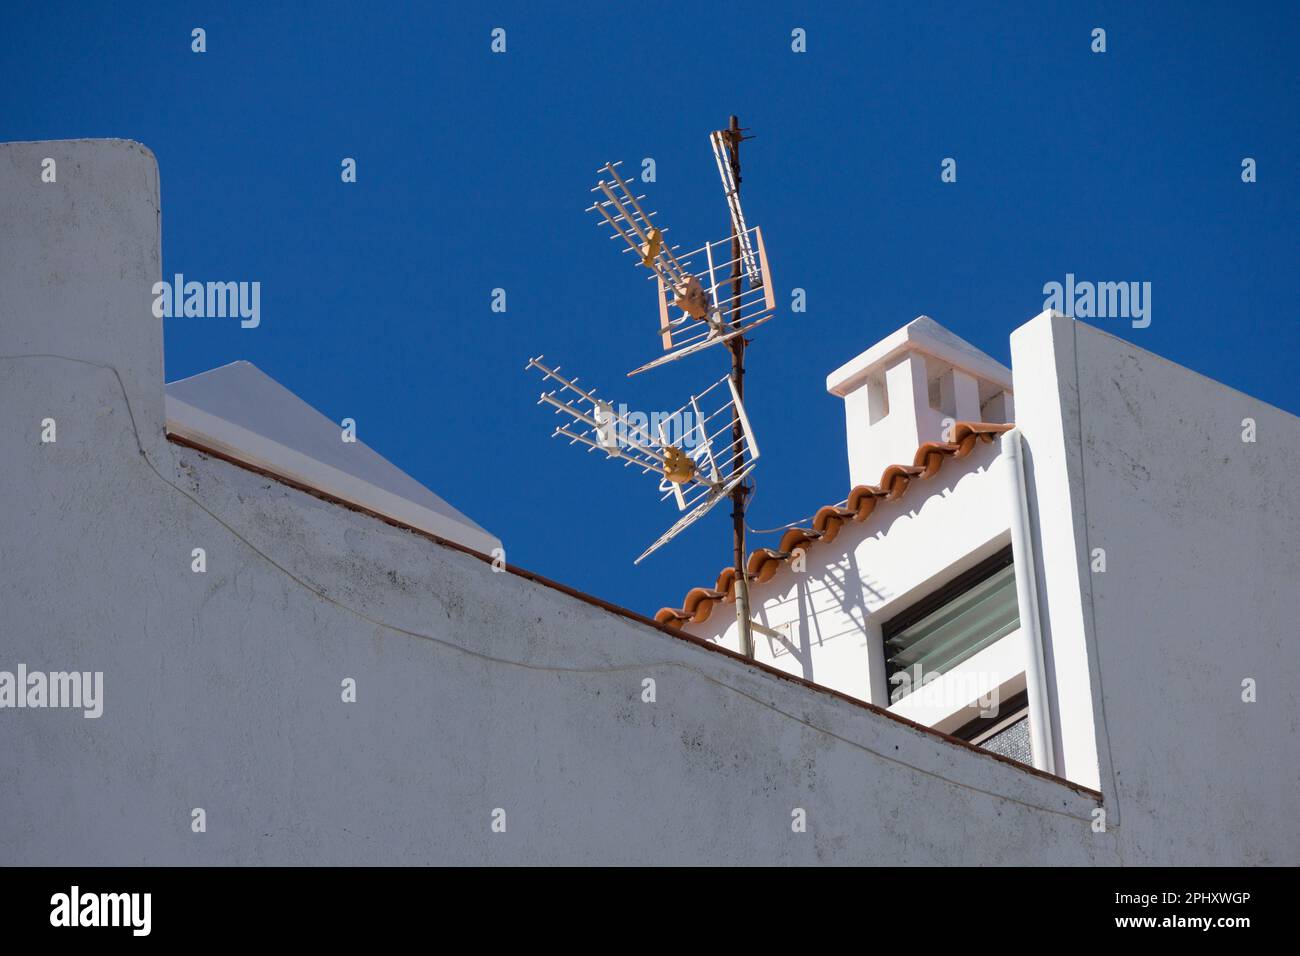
{"type": "Point", "coordinates": [741, 491]}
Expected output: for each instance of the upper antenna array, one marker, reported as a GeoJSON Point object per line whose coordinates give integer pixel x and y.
{"type": "Point", "coordinates": [704, 451]}
{"type": "Point", "coordinates": [696, 283]}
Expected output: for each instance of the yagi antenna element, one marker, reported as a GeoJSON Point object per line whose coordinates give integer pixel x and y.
{"type": "Point", "coordinates": [691, 451]}
{"type": "Point", "coordinates": [698, 305]}
{"type": "Point", "coordinates": [731, 189]}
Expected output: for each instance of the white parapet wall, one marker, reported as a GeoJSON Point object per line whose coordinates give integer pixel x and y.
{"type": "Point", "coordinates": [80, 257]}
{"type": "Point", "coordinates": [1175, 675]}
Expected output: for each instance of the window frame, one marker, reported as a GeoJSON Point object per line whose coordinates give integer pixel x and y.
{"type": "Point", "coordinates": [1010, 711]}
{"type": "Point", "coordinates": [934, 600]}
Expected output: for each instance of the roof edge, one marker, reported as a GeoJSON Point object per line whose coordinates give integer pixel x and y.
{"type": "Point", "coordinates": [650, 622]}
{"type": "Point", "coordinates": [204, 430]}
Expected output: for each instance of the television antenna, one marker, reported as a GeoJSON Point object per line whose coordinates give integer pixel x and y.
{"type": "Point", "coordinates": [688, 450]}
{"type": "Point", "coordinates": [699, 306]}
{"type": "Point", "coordinates": [696, 283]}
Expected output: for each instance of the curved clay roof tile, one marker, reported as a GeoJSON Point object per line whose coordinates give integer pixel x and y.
{"type": "Point", "coordinates": [896, 479]}
{"type": "Point", "coordinates": [931, 455]}
{"type": "Point", "coordinates": [727, 585]}
{"type": "Point", "coordinates": [862, 501]}
{"type": "Point", "coordinates": [797, 538]}
{"type": "Point", "coordinates": [829, 519]}
{"type": "Point", "coordinates": [764, 563]}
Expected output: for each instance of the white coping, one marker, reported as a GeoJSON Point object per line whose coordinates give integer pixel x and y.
{"type": "Point", "coordinates": [243, 413]}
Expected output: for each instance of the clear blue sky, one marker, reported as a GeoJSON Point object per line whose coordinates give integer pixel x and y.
{"type": "Point", "coordinates": [473, 171]}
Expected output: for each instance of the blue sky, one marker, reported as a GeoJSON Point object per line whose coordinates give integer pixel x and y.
{"type": "Point", "coordinates": [474, 169]}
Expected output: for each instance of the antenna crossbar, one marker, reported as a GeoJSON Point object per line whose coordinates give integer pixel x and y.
{"type": "Point", "coordinates": [693, 458]}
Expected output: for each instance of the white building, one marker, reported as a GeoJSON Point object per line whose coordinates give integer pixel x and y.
{"type": "Point", "coordinates": [1035, 549]}
{"type": "Point", "coordinates": [1163, 715]}
{"type": "Point", "coordinates": [904, 593]}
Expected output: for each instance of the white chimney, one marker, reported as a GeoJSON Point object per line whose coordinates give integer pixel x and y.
{"type": "Point", "coordinates": [906, 389]}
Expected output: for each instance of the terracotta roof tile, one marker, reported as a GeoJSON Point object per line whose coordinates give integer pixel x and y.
{"type": "Point", "coordinates": [829, 519]}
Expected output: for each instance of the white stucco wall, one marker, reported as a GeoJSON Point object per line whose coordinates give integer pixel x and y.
{"type": "Point", "coordinates": [831, 611]}
{"type": "Point", "coordinates": [475, 690]}
{"type": "Point", "coordinates": [1127, 452]}
{"type": "Point", "coordinates": [1145, 459]}
{"type": "Point", "coordinates": [871, 571]}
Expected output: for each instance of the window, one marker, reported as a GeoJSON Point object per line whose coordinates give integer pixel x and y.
{"type": "Point", "coordinates": [1006, 733]}
{"type": "Point", "coordinates": [958, 621]}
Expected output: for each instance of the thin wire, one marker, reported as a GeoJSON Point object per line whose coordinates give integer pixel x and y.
{"type": "Point", "coordinates": [793, 524]}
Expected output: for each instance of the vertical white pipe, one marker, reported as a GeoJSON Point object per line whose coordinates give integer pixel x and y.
{"type": "Point", "coordinates": [1022, 552]}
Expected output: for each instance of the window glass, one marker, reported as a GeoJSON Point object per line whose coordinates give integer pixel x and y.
{"type": "Point", "coordinates": [958, 621]}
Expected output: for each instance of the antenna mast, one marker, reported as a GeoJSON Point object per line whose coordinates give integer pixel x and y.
{"type": "Point", "coordinates": [685, 448]}
{"type": "Point", "coordinates": [737, 346]}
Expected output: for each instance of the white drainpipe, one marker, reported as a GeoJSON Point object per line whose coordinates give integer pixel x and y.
{"type": "Point", "coordinates": [1022, 552]}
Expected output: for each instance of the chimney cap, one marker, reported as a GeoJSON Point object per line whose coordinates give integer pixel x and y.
{"type": "Point", "coordinates": [922, 334]}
